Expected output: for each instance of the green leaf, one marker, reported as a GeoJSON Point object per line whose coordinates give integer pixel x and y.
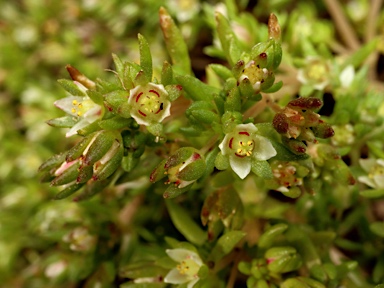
{"type": "Point", "coordinates": [262, 169]}
{"type": "Point", "coordinates": [197, 90]}
{"type": "Point", "coordinates": [227, 39]}
{"type": "Point", "coordinates": [173, 191]}
{"type": "Point", "coordinates": [222, 71]}
{"type": "Point", "coordinates": [225, 244]}
{"type": "Point", "coordinates": [274, 88]}
{"type": "Point", "coordinates": [176, 46]}
{"type": "Point", "coordinates": [357, 58]}
{"type": "Point", "coordinates": [145, 57]}
{"type": "Point", "coordinates": [71, 87]}
{"type": "Point", "coordinates": [267, 238]}
{"type": "Point", "coordinates": [115, 123]}
{"type": "Point", "coordinates": [119, 66]}
{"type": "Point", "coordinates": [185, 224]}
{"type": "Point", "coordinates": [372, 193]}
{"type": "Point", "coordinates": [68, 191]}
{"type": "Point", "coordinates": [167, 74]}
{"type": "Point", "coordinates": [284, 154]}
{"type": "Point", "coordinates": [377, 228]}
{"type": "Point", "coordinates": [96, 97]}
{"type": "Point", "coordinates": [63, 122]}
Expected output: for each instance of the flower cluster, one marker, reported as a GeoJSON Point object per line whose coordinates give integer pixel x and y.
{"type": "Point", "coordinates": [298, 122]}
{"type": "Point", "coordinates": [289, 177]}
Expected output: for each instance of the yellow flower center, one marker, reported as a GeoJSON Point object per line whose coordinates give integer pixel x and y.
{"type": "Point", "coordinates": [149, 103]}
{"type": "Point", "coordinates": [317, 72]}
{"type": "Point", "coordinates": [376, 170]}
{"type": "Point", "coordinates": [79, 108]}
{"type": "Point", "coordinates": [188, 267]}
{"type": "Point", "coordinates": [242, 144]}
{"type": "Point", "coordinates": [255, 74]}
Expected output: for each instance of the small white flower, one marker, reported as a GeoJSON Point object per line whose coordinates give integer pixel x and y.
{"type": "Point", "coordinates": [316, 73]}
{"type": "Point", "coordinates": [243, 144]}
{"type": "Point", "coordinates": [375, 170]}
{"type": "Point", "coordinates": [81, 107]}
{"type": "Point", "coordinates": [255, 74]}
{"type": "Point", "coordinates": [149, 103]}
{"type": "Point", "coordinates": [184, 10]}
{"type": "Point", "coordinates": [187, 269]}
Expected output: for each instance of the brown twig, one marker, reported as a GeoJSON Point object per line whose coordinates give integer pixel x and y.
{"type": "Point", "coordinates": [346, 31]}
{"type": "Point", "coordinates": [369, 34]}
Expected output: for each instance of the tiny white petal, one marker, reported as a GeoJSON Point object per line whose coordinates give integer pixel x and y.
{"type": "Point", "coordinates": [379, 181]}
{"type": "Point", "coordinates": [180, 254]}
{"type": "Point", "coordinates": [193, 282]}
{"type": "Point", "coordinates": [248, 127]}
{"type": "Point", "coordinates": [79, 125]}
{"type": "Point", "coordinates": [224, 145]}
{"type": "Point", "coordinates": [367, 164]}
{"type": "Point", "coordinates": [174, 277]}
{"type": "Point", "coordinates": [264, 149]}
{"type": "Point", "coordinates": [66, 104]}
{"type": "Point", "coordinates": [347, 75]}
{"type": "Point", "coordinates": [366, 180]}
{"type": "Point", "coordinates": [241, 166]}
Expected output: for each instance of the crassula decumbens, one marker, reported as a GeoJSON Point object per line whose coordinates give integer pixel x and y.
{"type": "Point", "coordinates": [175, 135]}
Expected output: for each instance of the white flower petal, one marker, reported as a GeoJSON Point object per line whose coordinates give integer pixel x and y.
{"type": "Point", "coordinates": [166, 112]}
{"type": "Point", "coordinates": [193, 282]}
{"type": "Point", "coordinates": [366, 180]}
{"type": "Point", "coordinates": [248, 127]}
{"type": "Point", "coordinates": [241, 166]}
{"type": "Point", "coordinates": [264, 149]}
{"type": "Point", "coordinates": [346, 76]}
{"type": "Point", "coordinates": [174, 277]}
{"type": "Point", "coordinates": [224, 145]}
{"type": "Point", "coordinates": [179, 254]}
{"type": "Point", "coordinates": [79, 125]}
{"type": "Point", "coordinates": [367, 164]}
{"type": "Point", "coordinates": [66, 104]}
{"type": "Point", "coordinates": [92, 114]}
{"type": "Point", "coordinates": [379, 180]}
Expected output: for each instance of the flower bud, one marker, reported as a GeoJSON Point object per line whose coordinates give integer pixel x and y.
{"type": "Point", "coordinates": [183, 168]}
{"type": "Point", "coordinates": [282, 259]}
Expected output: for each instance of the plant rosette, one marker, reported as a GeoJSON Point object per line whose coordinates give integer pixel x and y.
{"type": "Point", "coordinates": [243, 145]}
